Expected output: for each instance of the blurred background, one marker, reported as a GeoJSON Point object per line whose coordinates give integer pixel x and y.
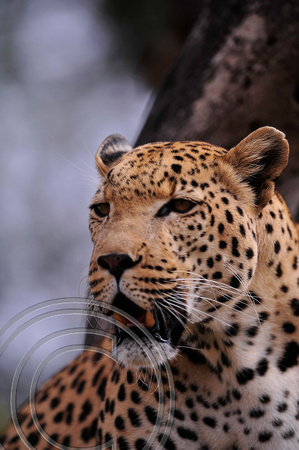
{"type": "Point", "coordinates": [71, 73]}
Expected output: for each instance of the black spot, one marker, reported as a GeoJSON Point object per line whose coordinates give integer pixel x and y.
{"type": "Point", "coordinates": [73, 368]}
{"type": "Point", "coordinates": [225, 360]}
{"type": "Point", "coordinates": [295, 306]}
{"type": "Point", "coordinates": [142, 385]}
{"type": "Point", "coordinates": [234, 282]}
{"type": "Point", "coordinates": [225, 428]}
{"type": "Point", "coordinates": [244, 375]}
{"type": "Point", "coordinates": [288, 434]}
{"type": "Point", "coordinates": [178, 414]}
{"type": "Point", "coordinates": [232, 330]}
{"type": "Point", "coordinates": [97, 357]}
{"type": "Point", "coordinates": [236, 394]}
{"type": "Point", "coordinates": [265, 436]}
{"type": "Point", "coordinates": [58, 418]}
{"type": "Point", "coordinates": [242, 304]}
{"type": "Point", "coordinates": [229, 216]}
{"type": "Point", "coordinates": [265, 399]}
{"type": "Point", "coordinates": [66, 441]}
{"type": "Point", "coordinates": [210, 262]}
{"type": "Point", "coordinates": [119, 423]}
{"type": "Point", "coordinates": [169, 444]}
{"type": "Point", "coordinates": [252, 331]}
{"type": "Point", "coordinates": [115, 376]}
{"type": "Point", "coordinates": [282, 407]}
{"type": "Point", "coordinates": [186, 433]}
{"type": "Point", "coordinates": [277, 423]}
{"type": "Point", "coordinates": [54, 402]}
{"type": "Point", "coordinates": [222, 244]}
{"type": "Point", "coordinates": [210, 422]}
{"type": "Point", "coordinates": [242, 230]}
{"type": "Point", "coordinates": [135, 397]}
{"type": "Point", "coordinates": [249, 253]}
{"type": "Point", "coordinates": [220, 227]}
{"type": "Point", "coordinates": [76, 380]}
{"type": "Point", "coordinates": [256, 413]}
{"type": "Point", "coordinates": [262, 367]}
{"type": "Point", "coordinates": [81, 386]}
{"type": "Point", "coordinates": [177, 168]}
{"type": "Point", "coordinates": [69, 416]}
{"type": "Point", "coordinates": [288, 327]}
{"type": "Point", "coordinates": [194, 417]}
{"type": "Point", "coordinates": [121, 393]}
{"type": "Point", "coordinates": [180, 386]}
{"type": "Point", "coordinates": [140, 444]}
{"type": "Point", "coordinates": [203, 248]}
{"type": "Point", "coordinates": [108, 437]}
{"type": "Point", "coordinates": [269, 228]}
{"type": "Point", "coordinates": [189, 402]}
{"type": "Point", "coordinates": [278, 270]}
{"type": "Point", "coordinates": [263, 316]}
{"type": "Point", "coordinates": [122, 444]}
{"type": "Point", "coordinates": [14, 439]}
{"type": "Point", "coordinates": [290, 356]}
{"type": "Point", "coordinates": [102, 389]}
{"type": "Point", "coordinates": [33, 438]}
{"type": "Point", "coordinates": [97, 375]}
{"type": "Point", "coordinates": [86, 410]}
{"type": "Point", "coordinates": [44, 397]}
{"type": "Point", "coordinates": [134, 417]}
{"type": "Point", "coordinates": [235, 244]}
{"type": "Point", "coordinates": [217, 275]}
{"type": "Point", "coordinates": [277, 247]}
{"type": "Point", "coordinates": [151, 414]}
{"type": "Point", "coordinates": [54, 436]}
{"type": "Point", "coordinates": [254, 298]}
{"type": "Point", "coordinates": [89, 432]}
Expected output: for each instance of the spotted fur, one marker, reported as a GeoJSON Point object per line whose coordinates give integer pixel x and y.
{"type": "Point", "coordinates": [195, 264]}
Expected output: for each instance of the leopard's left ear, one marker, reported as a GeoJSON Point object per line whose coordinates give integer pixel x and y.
{"type": "Point", "coordinates": [259, 159]}
{"type": "Point", "coordinates": [112, 149]}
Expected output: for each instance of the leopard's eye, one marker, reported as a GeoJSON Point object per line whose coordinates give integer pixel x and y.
{"type": "Point", "coordinates": [181, 205]}
{"type": "Point", "coordinates": [178, 205]}
{"type": "Point", "coordinates": [101, 209]}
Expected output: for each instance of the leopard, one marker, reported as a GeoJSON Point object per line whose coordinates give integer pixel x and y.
{"type": "Point", "coordinates": [194, 271]}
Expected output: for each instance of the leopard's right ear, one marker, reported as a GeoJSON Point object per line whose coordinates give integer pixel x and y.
{"type": "Point", "coordinates": [110, 151]}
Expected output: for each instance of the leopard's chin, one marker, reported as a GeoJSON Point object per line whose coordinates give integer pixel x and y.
{"type": "Point", "coordinates": [143, 338]}
{"type": "Point", "coordinates": [148, 353]}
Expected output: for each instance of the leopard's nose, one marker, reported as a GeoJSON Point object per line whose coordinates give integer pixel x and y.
{"type": "Point", "coordinates": [117, 263]}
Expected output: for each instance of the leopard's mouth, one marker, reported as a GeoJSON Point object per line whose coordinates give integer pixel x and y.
{"type": "Point", "coordinates": [137, 319]}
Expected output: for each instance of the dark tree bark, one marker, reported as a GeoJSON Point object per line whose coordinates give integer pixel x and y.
{"type": "Point", "coordinates": [238, 70]}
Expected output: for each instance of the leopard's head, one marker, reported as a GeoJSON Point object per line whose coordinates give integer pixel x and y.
{"type": "Point", "coordinates": [174, 233]}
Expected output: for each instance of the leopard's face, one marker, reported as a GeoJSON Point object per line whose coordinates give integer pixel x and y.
{"type": "Point", "coordinates": [173, 227]}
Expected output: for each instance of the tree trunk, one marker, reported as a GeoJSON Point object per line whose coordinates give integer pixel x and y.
{"type": "Point", "coordinates": [238, 70]}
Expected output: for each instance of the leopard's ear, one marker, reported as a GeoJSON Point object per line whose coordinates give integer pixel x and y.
{"type": "Point", "coordinates": [110, 151]}
{"type": "Point", "coordinates": [259, 159]}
